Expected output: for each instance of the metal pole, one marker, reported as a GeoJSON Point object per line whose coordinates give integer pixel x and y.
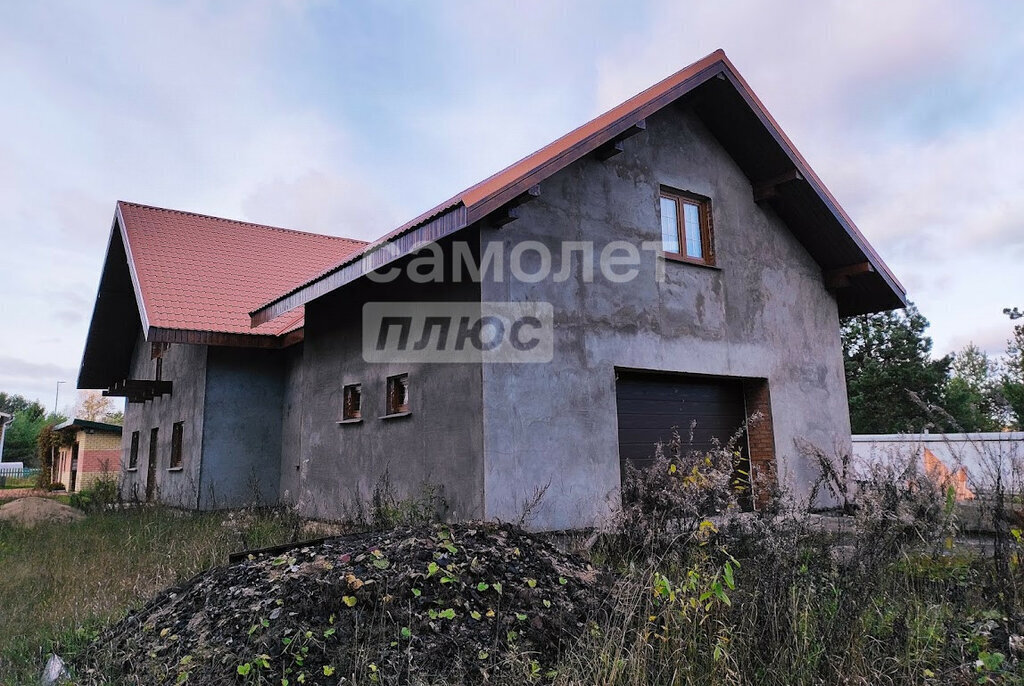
{"type": "Point", "coordinates": [57, 396]}
{"type": "Point", "coordinates": [3, 433]}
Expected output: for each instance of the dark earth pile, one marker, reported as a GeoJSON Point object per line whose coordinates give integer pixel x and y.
{"type": "Point", "coordinates": [448, 603]}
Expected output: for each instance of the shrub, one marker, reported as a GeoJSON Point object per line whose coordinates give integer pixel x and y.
{"type": "Point", "coordinates": [100, 495]}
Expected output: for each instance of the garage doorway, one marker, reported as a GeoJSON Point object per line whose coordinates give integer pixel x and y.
{"type": "Point", "coordinates": [651, 404]}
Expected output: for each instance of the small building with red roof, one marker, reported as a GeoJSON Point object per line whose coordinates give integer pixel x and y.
{"type": "Point", "coordinates": [671, 274]}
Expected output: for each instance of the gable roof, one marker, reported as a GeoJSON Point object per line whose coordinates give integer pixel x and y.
{"type": "Point", "coordinates": [191, 278]}
{"type": "Point", "coordinates": [202, 273]}
{"type": "Point", "coordinates": [737, 118]}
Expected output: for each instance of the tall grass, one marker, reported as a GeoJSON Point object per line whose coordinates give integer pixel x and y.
{"type": "Point", "coordinates": [60, 582]}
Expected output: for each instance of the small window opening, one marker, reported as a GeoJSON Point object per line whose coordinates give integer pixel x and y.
{"type": "Point", "coordinates": [133, 452]}
{"type": "Point", "coordinates": [352, 401]}
{"type": "Point", "coordinates": [398, 394]}
{"type": "Point", "coordinates": [176, 437]}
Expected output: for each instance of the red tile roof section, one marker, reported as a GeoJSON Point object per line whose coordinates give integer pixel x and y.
{"type": "Point", "coordinates": [203, 273]}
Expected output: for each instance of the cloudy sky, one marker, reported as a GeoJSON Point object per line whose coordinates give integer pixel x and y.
{"type": "Point", "coordinates": [351, 120]}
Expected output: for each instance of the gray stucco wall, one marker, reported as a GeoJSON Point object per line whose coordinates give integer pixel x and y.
{"type": "Point", "coordinates": [291, 424]}
{"type": "Point", "coordinates": [242, 435]}
{"type": "Point", "coordinates": [185, 366]}
{"type": "Point", "coordinates": [763, 312]}
{"type": "Point", "coordinates": [439, 444]}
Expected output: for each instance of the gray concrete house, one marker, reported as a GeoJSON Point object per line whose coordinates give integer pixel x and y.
{"type": "Point", "coordinates": [685, 265]}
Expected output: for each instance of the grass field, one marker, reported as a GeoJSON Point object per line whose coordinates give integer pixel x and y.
{"type": "Point", "coordinates": [59, 583]}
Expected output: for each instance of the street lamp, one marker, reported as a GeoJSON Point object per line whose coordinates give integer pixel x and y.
{"type": "Point", "coordinates": [57, 396]}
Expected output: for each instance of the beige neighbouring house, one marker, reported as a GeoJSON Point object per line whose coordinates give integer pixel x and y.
{"type": "Point", "coordinates": [89, 450]}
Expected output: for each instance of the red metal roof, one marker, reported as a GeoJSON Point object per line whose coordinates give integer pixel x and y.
{"type": "Point", "coordinates": [201, 273]}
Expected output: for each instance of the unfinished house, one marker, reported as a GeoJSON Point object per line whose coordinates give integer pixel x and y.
{"type": "Point", "coordinates": [734, 267]}
{"type": "Point", "coordinates": [89, 451]}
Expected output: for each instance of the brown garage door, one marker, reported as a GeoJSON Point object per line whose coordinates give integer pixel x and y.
{"type": "Point", "coordinates": [651, 405]}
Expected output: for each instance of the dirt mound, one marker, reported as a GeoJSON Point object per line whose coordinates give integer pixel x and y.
{"type": "Point", "coordinates": [32, 511]}
{"type": "Point", "coordinates": [452, 603]}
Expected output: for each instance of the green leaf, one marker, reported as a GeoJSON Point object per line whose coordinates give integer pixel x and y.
{"type": "Point", "coordinates": [244, 670]}
{"type": "Point", "coordinates": [348, 600]}
{"type": "Point", "coordinates": [532, 583]}
{"type": "Point", "coordinates": [562, 580]}
{"type": "Point", "coordinates": [497, 586]}
{"type": "Point", "coordinates": [406, 632]}
{"type": "Point", "coordinates": [417, 592]}
{"type": "Point", "coordinates": [482, 586]}
{"type": "Point", "coordinates": [483, 655]}
{"type": "Point", "coordinates": [447, 614]}
{"type": "Point", "coordinates": [474, 614]}
{"type": "Point", "coordinates": [328, 670]}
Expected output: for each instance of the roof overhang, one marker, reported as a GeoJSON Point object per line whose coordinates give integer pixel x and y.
{"type": "Point", "coordinates": [734, 114]}
{"type": "Point", "coordinates": [119, 318]}
{"type": "Point", "coordinates": [89, 425]}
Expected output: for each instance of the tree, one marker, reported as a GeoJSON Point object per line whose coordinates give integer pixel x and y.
{"type": "Point", "coordinates": [93, 406]}
{"type": "Point", "coordinates": [1012, 382]}
{"type": "Point", "coordinates": [890, 372]}
{"type": "Point", "coordinates": [972, 397]}
{"type": "Point", "coordinates": [12, 404]}
{"type": "Point", "coordinates": [20, 439]}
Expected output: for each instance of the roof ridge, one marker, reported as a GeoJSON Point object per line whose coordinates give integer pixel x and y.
{"type": "Point", "coordinates": [239, 221]}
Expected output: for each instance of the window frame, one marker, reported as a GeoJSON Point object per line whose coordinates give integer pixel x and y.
{"type": "Point", "coordinates": [176, 462]}
{"type": "Point", "coordinates": [392, 408]}
{"type": "Point", "coordinates": [133, 452]}
{"type": "Point", "coordinates": [348, 413]}
{"type": "Point", "coordinates": [704, 218]}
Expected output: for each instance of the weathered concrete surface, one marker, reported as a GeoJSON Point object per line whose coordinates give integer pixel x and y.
{"type": "Point", "coordinates": [291, 424]}
{"type": "Point", "coordinates": [763, 313]}
{"type": "Point", "coordinates": [185, 366]}
{"type": "Point", "coordinates": [242, 422]}
{"type": "Point", "coordinates": [439, 444]}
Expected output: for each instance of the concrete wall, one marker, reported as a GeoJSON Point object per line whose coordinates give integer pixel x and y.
{"type": "Point", "coordinates": [242, 427]}
{"type": "Point", "coordinates": [440, 443]}
{"type": "Point", "coordinates": [185, 366]}
{"type": "Point", "coordinates": [763, 312]}
{"type": "Point", "coordinates": [291, 424]}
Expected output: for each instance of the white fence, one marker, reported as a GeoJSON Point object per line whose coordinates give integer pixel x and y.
{"type": "Point", "coordinates": [984, 456]}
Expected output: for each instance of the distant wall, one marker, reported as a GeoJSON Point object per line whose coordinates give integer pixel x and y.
{"type": "Point", "coordinates": [291, 424]}
{"type": "Point", "coordinates": [984, 455]}
{"type": "Point", "coordinates": [185, 366]}
{"type": "Point", "coordinates": [242, 435]}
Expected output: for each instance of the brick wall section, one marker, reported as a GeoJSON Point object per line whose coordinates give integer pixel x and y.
{"type": "Point", "coordinates": [98, 454]}
{"type": "Point", "coordinates": [761, 440]}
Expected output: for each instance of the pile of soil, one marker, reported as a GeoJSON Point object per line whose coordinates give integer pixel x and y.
{"type": "Point", "coordinates": [31, 511]}
{"type": "Point", "coordinates": [444, 603]}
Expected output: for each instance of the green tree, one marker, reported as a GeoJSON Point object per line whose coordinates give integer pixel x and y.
{"type": "Point", "coordinates": [12, 404]}
{"type": "Point", "coordinates": [973, 397]}
{"type": "Point", "coordinates": [1013, 377]}
{"type": "Point", "coordinates": [888, 364]}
